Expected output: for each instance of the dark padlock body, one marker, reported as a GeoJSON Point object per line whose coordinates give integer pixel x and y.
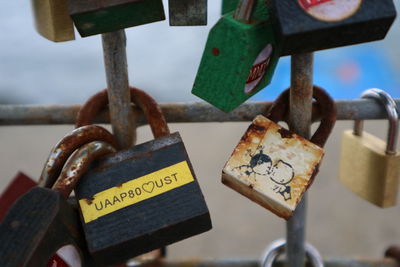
{"type": "Point", "coordinates": [311, 25]}
{"type": "Point", "coordinates": [121, 230]}
{"type": "Point", "coordinates": [37, 225]}
{"type": "Point", "coordinates": [187, 12]}
{"type": "Point", "coordinates": [95, 16]}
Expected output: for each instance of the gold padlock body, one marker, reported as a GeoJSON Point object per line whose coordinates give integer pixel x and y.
{"type": "Point", "coordinates": [52, 20]}
{"type": "Point", "coordinates": [366, 169]}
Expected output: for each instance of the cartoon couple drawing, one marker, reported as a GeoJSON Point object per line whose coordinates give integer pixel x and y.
{"type": "Point", "coordinates": [281, 173]}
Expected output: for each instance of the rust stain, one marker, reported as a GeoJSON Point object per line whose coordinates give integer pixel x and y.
{"type": "Point", "coordinates": [88, 201]}
{"type": "Point", "coordinates": [285, 133]}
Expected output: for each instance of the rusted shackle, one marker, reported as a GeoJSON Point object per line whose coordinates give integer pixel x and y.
{"type": "Point", "coordinates": [79, 163]}
{"type": "Point", "coordinates": [146, 103]}
{"type": "Point", "coordinates": [66, 146]}
{"type": "Point", "coordinates": [325, 104]}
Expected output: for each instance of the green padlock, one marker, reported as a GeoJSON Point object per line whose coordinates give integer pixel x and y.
{"type": "Point", "coordinates": [240, 56]}
{"type": "Point", "coordinates": [228, 6]}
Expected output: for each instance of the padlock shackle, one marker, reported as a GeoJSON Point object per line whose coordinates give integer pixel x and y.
{"type": "Point", "coordinates": [79, 163]}
{"type": "Point", "coordinates": [277, 247]}
{"type": "Point", "coordinates": [324, 103]}
{"type": "Point", "coordinates": [145, 102]}
{"type": "Point", "coordinates": [244, 10]}
{"type": "Point", "coordinates": [391, 108]}
{"type": "Point", "coordinates": [66, 146]}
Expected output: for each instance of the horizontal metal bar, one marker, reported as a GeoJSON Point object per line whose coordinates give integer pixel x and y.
{"type": "Point", "coordinates": [254, 263]}
{"type": "Point", "coordinates": [363, 109]}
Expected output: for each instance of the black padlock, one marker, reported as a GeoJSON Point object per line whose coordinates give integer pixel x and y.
{"type": "Point", "coordinates": [42, 221]}
{"type": "Point", "coordinates": [142, 198]}
{"type": "Point", "coordinates": [310, 25]}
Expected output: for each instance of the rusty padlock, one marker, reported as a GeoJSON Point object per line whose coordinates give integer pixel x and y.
{"type": "Point", "coordinates": [42, 221]}
{"type": "Point", "coordinates": [273, 166]}
{"type": "Point", "coordinates": [146, 196]}
{"type": "Point", "coordinates": [368, 166]}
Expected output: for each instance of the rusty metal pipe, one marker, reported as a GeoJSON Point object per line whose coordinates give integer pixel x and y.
{"type": "Point", "coordinates": [300, 117]}
{"type": "Point", "coordinates": [364, 109]}
{"type": "Point", "coordinates": [116, 66]}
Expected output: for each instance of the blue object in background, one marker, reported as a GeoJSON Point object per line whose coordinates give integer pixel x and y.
{"type": "Point", "coordinates": [345, 73]}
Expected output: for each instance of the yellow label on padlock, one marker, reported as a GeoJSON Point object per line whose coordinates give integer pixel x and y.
{"type": "Point", "coordinates": [135, 191]}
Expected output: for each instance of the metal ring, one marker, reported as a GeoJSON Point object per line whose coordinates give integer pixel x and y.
{"type": "Point", "coordinates": [277, 248]}
{"type": "Point", "coordinates": [391, 108]}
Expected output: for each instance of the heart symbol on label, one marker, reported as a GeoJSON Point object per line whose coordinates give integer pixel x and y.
{"type": "Point", "coordinates": [148, 187]}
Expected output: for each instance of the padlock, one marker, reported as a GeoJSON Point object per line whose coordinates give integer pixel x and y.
{"type": "Point", "coordinates": [95, 16]}
{"type": "Point", "coordinates": [20, 185]}
{"type": "Point", "coordinates": [368, 166]}
{"type": "Point", "coordinates": [228, 6]}
{"type": "Point", "coordinates": [42, 221]}
{"type": "Point", "coordinates": [52, 20]}
{"type": "Point", "coordinates": [187, 12]}
{"type": "Point", "coordinates": [310, 25]}
{"type": "Point", "coordinates": [240, 57]}
{"type": "Point", "coordinates": [142, 198]}
{"type": "Point", "coordinates": [273, 166]}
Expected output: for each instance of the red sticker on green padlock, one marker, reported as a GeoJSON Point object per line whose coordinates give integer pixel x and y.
{"type": "Point", "coordinates": [258, 70]}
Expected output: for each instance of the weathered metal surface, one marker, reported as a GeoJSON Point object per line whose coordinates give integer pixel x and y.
{"type": "Point", "coordinates": [360, 109]}
{"type": "Point", "coordinates": [301, 92]}
{"type": "Point", "coordinates": [256, 263]}
{"type": "Point", "coordinates": [145, 102]}
{"type": "Point", "coordinates": [272, 166]}
{"type": "Point", "coordinates": [66, 146]}
{"type": "Point", "coordinates": [187, 12]}
{"type": "Point", "coordinates": [116, 67]}
{"type": "Point", "coordinates": [78, 164]}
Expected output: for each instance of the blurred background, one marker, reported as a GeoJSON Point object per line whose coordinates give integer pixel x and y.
{"type": "Point", "coordinates": [163, 61]}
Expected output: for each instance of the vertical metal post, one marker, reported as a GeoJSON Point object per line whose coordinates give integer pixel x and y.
{"type": "Point", "coordinates": [301, 91]}
{"type": "Point", "coordinates": [121, 116]}
{"type": "Point", "coordinates": [119, 96]}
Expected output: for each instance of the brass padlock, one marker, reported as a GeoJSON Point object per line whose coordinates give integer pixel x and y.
{"type": "Point", "coordinates": [273, 166]}
{"type": "Point", "coordinates": [52, 20]}
{"type": "Point", "coordinates": [370, 167]}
